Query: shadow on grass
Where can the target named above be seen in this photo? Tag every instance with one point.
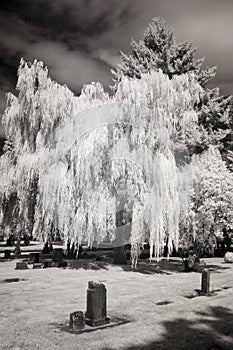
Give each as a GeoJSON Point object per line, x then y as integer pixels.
{"type": "Point", "coordinates": [209, 331]}
{"type": "Point", "coordinates": [144, 267]}
{"type": "Point", "coordinates": [88, 264]}
{"type": "Point", "coordinates": [217, 268]}
{"type": "Point", "coordinates": [165, 267]}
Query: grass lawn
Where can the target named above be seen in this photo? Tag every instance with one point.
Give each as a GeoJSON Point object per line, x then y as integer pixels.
{"type": "Point", "coordinates": [33, 310]}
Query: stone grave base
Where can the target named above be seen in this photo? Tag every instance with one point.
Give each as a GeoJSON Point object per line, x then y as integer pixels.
{"type": "Point", "coordinates": [115, 321]}
{"type": "Point", "coordinates": [97, 323]}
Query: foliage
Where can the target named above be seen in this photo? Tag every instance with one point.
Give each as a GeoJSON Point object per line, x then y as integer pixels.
{"type": "Point", "coordinates": [228, 258]}
{"type": "Point", "coordinates": [158, 49]}
{"type": "Point", "coordinates": [210, 206]}
{"type": "Point", "coordinates": [92, 156]}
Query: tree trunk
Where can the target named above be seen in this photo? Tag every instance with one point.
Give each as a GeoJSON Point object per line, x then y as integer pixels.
{"type": "Point", "coordinates": [120, 255]}
{"type": "Point", "coordinates": [119, 250]}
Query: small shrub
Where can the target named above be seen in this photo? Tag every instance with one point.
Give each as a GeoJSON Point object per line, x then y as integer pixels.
{"type": "Point", "coordinates": [228, 258]}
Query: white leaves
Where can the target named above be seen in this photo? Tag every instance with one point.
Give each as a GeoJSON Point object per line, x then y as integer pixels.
{"type": "Point", "coordinates": [96, 156]}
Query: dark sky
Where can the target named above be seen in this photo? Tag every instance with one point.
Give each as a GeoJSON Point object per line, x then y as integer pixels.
{"type": "Point", "coordinates": [79, 40]}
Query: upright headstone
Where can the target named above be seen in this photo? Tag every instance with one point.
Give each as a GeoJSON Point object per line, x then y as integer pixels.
{"type": "Point", "coordinates": [96, 314]}
{"type": "Point", "coordinates": [46, 249]}
{"type": "Point", "coordinates": [17, 249]}
{"type": "Point", "coordinates": [77, 320]}
{"type": "Point", "coordinates": [68, 248]}
{"type": "Point", "coordinates": [119, 254]}
{"type": "Point", "coordinates": [35, 257]}
{"type": "Point", "coordinates": [7, 254]}
{"type": "Point", "coordinates": [57, 254]}
{"type": "Point", "coordinates": [205, 281]}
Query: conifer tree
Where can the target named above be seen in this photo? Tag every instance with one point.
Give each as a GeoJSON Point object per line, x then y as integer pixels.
{"type": "Point", "coordinates": [158, 49]}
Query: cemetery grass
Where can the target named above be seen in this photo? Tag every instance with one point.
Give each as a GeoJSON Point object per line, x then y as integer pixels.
{"type": "Point", "coordinates": [162, 309]}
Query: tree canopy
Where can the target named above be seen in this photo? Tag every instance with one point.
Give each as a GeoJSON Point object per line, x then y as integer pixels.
{"type": "Point", "coordinates": [92, 156]}
{"type": "Point", "coordinates": [158, 49]}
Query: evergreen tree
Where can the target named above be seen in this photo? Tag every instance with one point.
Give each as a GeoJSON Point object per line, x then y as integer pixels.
{"type": "Point", "coordinates": [159, 49]}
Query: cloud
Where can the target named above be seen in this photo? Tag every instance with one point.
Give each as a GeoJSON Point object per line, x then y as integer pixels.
{"type": "Point", "coordinates": [80, 40]}
{"type": "Point", "coordinates": [73, 68]}
{"type": "Point", "coordinates": [108, 56]}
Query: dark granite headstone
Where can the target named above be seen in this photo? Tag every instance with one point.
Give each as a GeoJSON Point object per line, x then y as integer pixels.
{"type": "Point", "coordinates": [47, 263]}
{"type": "Point", "coordinates": [21, 266]}
{"type": "Point", "coordinates": [57, 254]}
{"type": "Point", "coordinates": [34, 257]}
{"type": "Point", "coordinates": [7, 254]}
{"type": "Point", "coordinates": [77, 320]}
{"type": "Point", "coordinates": [46, 249]}
{"type": "Point", "coordinates": [96, 314]}
{"type": "Point", "coordinates": [205, 281]}
{"type": "Point", "coordinates": [17, 249]}
{"type": "Point", "coordinates": [120, 257]}
{"type": "Point", "coordinates": [62, 263]}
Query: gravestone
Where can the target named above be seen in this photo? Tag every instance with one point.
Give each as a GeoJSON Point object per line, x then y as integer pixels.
{"type": "Point", "coordinates": [17, 249]}
{"type": "Point", "coordinates": [21, 266]}
{"type": "Point", "coordinates": [96, 314]}
{"type": "Point", "coordinates": [37, 265]}
{"type": "Point", "coordinates": [205, 281]}
{"type": "Point", "coordinates": [34, 257]}
{"type": "Point", "coordinates": [50, 246]}
{"type": "Point", "coordinates": [7, 254]}
{"type": "Point", "coordinates": [119, 254]}
{"type": "Point", "coordinates": [77, 320]}
{"type": "Point", "coordinates": [57, 254]}
{"type": "Point", "coordinates": [46, 249]}
{"type": "Point", "coordinates": [61, 263]}
{"type": "Point", "coordinates": [47, 263]}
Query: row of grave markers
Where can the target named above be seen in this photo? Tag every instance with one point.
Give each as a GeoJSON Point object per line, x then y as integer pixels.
{"type": "Point", "coordinates": [56, 260]}
{"type": "Point", "coordinates": [96, 314]}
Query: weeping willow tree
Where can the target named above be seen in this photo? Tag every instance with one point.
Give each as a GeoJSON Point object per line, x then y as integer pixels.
{"type": "Point", "coordinates": [104, 166]}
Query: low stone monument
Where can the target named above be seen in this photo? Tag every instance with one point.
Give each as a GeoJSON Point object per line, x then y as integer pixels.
{"type": "Point", "coordinates": [96, 314]}
{"type": "Point", "coordinates": [205, 282]}
{"type": "Point", "coordinates": [47, 263]}
{"type": "Point", "coordinates": [37, 265]}
{"type": "Point", "coordinates": [77, 320]}
{"type": "Point", "coordinates": [7, 254]}
{"type": "Point", "coordinates": [21, 265]}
